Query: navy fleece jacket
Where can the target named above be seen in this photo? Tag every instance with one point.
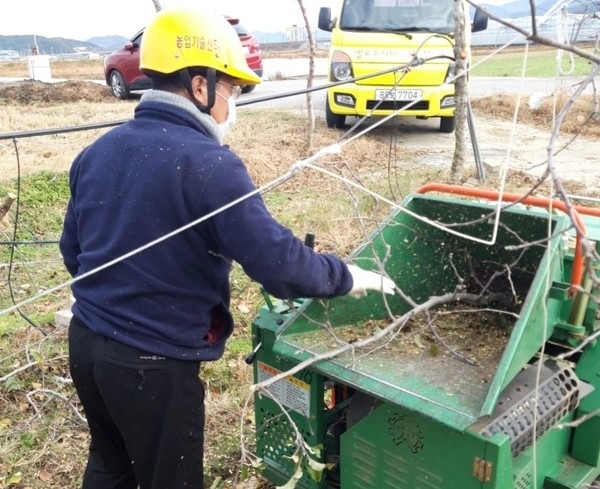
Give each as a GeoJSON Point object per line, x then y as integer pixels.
{"type": "Point", "coordinates": [148, 177]}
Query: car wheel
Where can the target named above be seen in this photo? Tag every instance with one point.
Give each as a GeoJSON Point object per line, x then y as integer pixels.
{"type": "Point", "coordinates": [447, 124]}
{"type": "Point", "coordinates": [334, 120]}
{"type": "Point", "coordinates": [248, 88]}
{"type": "Point", "coordinates": [118, 85]}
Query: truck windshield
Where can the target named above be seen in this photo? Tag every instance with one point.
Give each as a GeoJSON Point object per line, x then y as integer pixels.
{"type": "Point", "coordinates": [398, 15]}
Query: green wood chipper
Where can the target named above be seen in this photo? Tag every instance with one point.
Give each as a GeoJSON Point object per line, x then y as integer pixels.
{"type": "Point", "coordinates": [482, 372]}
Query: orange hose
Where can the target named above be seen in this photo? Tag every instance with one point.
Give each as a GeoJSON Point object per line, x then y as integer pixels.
{"type": "Point", "coordinates": [544, 202]}
{"type": "Point", "coordinates": [588, 211]}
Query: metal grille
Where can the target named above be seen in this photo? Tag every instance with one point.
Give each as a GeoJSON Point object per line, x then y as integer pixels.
{"type": "Point", "coordinates": [386, 470]}
{"type": "Point", "coordinates": [524, 412]}
{"type": "Point", "coordinates": [396, 105]}
{"type": "Point", "coordinates": [524, 481]}
{"type": "Point", "coordinates": [273, 435]}
{"type": "Point", "coordinates": [276, 443]}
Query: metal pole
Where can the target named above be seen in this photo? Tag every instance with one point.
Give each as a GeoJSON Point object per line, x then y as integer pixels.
{"type": "Point", "coordinates": [476, 153]}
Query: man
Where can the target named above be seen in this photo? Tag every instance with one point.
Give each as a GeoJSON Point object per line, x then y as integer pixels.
{"type": "Point", "coordinates": [142, 326]}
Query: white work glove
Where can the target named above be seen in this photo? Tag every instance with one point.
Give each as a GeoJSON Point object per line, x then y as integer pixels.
{"type": "Point", "coordinates": [365, 280]}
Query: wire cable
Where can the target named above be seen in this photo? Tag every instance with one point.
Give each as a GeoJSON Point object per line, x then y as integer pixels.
{"type": "Point", "coordinates": [13, 246]}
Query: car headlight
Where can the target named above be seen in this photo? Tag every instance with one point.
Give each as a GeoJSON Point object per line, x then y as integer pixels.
{"type": "Point", "coordinates": [341, 67]}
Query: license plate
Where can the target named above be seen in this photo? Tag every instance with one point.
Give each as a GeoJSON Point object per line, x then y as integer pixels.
{"type": "Point", "coordinates": [398, 94]}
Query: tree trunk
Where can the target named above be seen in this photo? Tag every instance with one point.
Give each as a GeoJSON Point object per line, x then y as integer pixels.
{"type": "Point", "coordinates": [461, 50]}
{"type": "Point", "coordinates": [309, 81]}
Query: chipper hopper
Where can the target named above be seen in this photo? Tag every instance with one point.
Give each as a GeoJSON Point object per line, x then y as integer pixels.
{"type": "Point", "coordinates": [481, 372]}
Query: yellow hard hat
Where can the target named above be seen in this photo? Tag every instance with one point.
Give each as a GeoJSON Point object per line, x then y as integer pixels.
{"type": "Point", "coordinates": [179, 38]}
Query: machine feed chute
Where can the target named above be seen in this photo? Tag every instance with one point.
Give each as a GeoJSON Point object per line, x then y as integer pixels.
{"type": "Point", "coordinates": [462, 370]}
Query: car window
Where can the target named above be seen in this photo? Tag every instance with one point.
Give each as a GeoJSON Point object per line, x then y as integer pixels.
{"type": "Point", "coordinates": [241, 30]}
{"type": "Point", "coordinates": [138, 39]}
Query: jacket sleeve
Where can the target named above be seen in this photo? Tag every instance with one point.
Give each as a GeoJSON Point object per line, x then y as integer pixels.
{"type": "Point", "coordinates": [69, 241]}
{"type": "Point", "coordinates": [268, 251]}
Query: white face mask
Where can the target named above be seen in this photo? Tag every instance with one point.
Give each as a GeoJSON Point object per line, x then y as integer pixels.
{"type": "Point", "coordinates": [229, 123]}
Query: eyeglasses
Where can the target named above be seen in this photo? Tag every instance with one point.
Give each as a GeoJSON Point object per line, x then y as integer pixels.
{"type": "Point", "coordinates": [236, 90]}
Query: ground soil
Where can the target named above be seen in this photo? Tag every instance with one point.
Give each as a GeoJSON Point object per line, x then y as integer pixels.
{"type": "Point", "coordinates": [501, 144]}
{"type": "Point", "coordinates": [29, 92]}
{"type": "Point", "coordinates": [533, 145]}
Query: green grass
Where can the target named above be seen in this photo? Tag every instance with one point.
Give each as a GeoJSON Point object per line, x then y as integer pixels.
{"type": "Point", "coordinates": [540, 64]}
{"type": "Point", "coordinates": [34, 265]}
{"type": "Point", "coordinates": [42, 201]}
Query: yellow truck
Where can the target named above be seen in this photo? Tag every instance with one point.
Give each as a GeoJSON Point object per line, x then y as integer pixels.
{"type": "Point", "coordinates": [392, 56]}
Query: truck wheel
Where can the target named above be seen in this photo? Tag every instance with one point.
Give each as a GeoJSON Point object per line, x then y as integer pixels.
{"type": "Point", "coordinates": [447, 124]}
{"type": "Point", "coordinates": [334, 120]}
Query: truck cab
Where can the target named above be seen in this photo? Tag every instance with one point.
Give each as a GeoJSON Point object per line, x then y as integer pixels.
{"type": "Point", "coordinates": [393, 56]}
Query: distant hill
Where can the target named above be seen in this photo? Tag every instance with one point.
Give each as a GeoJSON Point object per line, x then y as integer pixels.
{"type": "Point", "coordinates": [24, 44]}
{"type": "Point", "coordinates": [108, 43]}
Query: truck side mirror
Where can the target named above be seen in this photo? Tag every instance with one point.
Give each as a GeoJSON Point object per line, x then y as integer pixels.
{"type": "Point", "coordinates": [480, 21]}
{"type": "Point", "coordinates": [326, 23]}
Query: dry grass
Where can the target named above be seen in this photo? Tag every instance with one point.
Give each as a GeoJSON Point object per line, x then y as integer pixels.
{"type": "Point", "coordinates": [583, 118]}
{"type": "Point", "coordinates": [77, 70]}
{"type": "Point", "coordinates": [79, 102]}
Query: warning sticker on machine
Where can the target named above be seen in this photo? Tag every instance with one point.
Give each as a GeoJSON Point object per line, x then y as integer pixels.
{"type": "Point", "coordinates": [290, 392]}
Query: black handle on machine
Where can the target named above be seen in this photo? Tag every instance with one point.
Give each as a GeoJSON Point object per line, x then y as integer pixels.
{"type": "Point", "coordinates": [252, 355]}
{"type": "Point", "coordinates": [309, 240]}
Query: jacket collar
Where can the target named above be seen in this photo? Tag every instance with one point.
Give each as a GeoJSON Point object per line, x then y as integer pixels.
{"type": "Point", "coordinates": [183, 103]}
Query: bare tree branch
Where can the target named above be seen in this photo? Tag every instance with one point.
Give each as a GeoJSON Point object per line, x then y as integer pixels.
{"type": "Point", "coordinates": [53, 394]}
{"type": "Point", "coordinates": [533, 36]}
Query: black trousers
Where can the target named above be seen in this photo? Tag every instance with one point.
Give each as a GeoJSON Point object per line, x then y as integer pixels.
{"type": "Point", "coordinates": [145, 414]}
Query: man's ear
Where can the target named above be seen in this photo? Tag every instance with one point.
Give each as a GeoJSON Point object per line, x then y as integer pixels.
{"type": "Point", "coordinates": [200, 89]}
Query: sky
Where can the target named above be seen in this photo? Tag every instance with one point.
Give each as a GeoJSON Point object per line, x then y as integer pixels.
{"type": "Point", "coordinates": [84, 19]}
